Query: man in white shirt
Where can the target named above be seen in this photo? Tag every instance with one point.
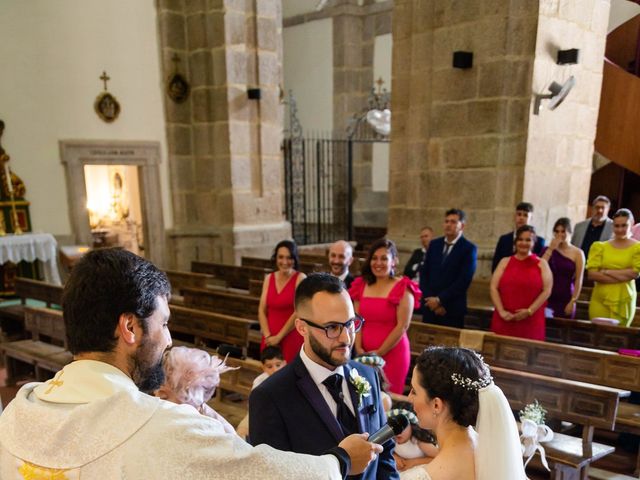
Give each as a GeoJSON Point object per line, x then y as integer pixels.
{"type": "Point", "coordinates": [92, 419]}
{"type": "Point", "coordinates": [340, 258]}
{"type": "Point", "coordinates": [319, 398]}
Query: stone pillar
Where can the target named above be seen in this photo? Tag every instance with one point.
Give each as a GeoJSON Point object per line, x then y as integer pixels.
{"type": "Point", "coordinates": [354, 30]}
{"type": "Point", "coordinates": [224, 149]}
{"type": "Point", "coordinates": [468, 138]}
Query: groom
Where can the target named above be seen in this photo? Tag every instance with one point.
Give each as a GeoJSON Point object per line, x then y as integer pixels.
{"type": "Point", "coordinates": [313, 403]}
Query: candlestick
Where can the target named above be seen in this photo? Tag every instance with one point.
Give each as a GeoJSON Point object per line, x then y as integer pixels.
{"type": "Point", "coordinates": [7, 174]}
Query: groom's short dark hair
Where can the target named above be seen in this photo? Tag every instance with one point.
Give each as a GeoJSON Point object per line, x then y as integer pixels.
{"type": "Point", "coordinates": [314, 283]}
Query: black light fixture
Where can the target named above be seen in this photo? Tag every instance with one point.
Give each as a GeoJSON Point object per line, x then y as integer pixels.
{"type": "Point", "coordinates": [254, 93]}
{"type": "Point", "coordinates": [462, 59]}
{"type": "Point", "coordinates": [568, 57]}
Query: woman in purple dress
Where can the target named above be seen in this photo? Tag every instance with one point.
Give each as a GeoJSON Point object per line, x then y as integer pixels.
{"type": "Point", "coordinates": [567, 266]}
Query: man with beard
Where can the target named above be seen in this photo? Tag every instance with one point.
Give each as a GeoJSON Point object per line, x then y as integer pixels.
{"type": "Point", "coordinates": [92, 421]}
{"type": "Point", "coordinates": [340, 258]}
{"type": "Point", "coordinates": [322, 396]}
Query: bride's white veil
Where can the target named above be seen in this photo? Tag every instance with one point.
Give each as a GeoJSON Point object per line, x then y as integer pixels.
{"type": "Point", "coordinates": [498, 453]}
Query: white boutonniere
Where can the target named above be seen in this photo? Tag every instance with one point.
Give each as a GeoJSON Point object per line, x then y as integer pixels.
{"type": "Point", "coordinates": [362, 385]}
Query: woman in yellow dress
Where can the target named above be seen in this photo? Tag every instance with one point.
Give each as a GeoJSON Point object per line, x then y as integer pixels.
{"type": "Point", "coordinates": [613, 266]}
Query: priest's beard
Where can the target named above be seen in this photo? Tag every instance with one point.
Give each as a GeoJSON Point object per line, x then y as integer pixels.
{"type": "Point", "coordinates": [147, 374]}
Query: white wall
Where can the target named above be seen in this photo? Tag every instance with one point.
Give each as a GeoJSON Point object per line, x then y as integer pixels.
{"type": "Point", "coordinates": [381, 69]}
{"type": "Point", "coordinates": [621, 11]}
{"type": "Point", "coordinates": [52, 55]}
{"type": "Point", "coordinates": [308, 72]}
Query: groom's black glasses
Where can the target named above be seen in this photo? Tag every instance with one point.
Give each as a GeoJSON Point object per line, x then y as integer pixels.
{"type": "Point", "coordinates": [334, 330]}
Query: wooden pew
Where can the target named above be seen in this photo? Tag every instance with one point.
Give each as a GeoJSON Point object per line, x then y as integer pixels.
{"type": "Point", "coordinates": [580, 333]}
{"type": "Point", "coordinates": [266, 263]}
{"type": "Point", "coordinates": [181, 280]}
{"type": "Point", "coordinates": [241, 380]}
{"type": "Point", "coordinates": [202, 328]}
{"type": "Point", "coordinates": [554, 374]}
{"type": "Point", "coordinates": [235, 304]}
{"type": "Point", "coordinates": [232, 275]}
{"type": "Point", "coordinates": [46, 350]}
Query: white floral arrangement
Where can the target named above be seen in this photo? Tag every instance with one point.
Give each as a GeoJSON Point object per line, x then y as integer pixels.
{"type": "Point", "coordinates": [533, 431]}
{"type": "Point", "coordinates": [361, 384]}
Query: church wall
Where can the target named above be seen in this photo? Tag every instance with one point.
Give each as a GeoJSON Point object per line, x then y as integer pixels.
{"type": "Point", "coordinates": [53, 54]}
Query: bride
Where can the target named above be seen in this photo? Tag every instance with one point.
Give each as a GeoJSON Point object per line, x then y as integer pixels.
{"type": "Point", "coordinates": [451, 390]}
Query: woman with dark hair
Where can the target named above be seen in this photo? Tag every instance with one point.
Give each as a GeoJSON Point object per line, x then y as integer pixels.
{"type": "Point", "coordinates": [520, 287]}
{"type": "Point", "coordinates": [613, 266]}
{"type": "Point", "coordinates": [386, 302]}
{"type": "Point", "coordinates": [451, 390]}
{"type": "Point", "coordinates": [567, 268]}
{"type": "Point", "coordinates": [276, 312]}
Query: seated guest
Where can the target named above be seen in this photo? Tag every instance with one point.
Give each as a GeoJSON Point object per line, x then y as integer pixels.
{"type": "Point", "coordinates": [598, 228]}
{"type": "Point", "coordinates": [275, 311]}
{"type": "Point", "coordinates": [520, 287]}
{"type": "Point", "coordinates": [386, 302]}
{"type": "Point", "coordinates": [340, 258]}
{"type": "Point", "coordinates": [191, 378]}
{"type": "Point", "coordinates": [613, 266]}
{"type": "Point", "coordinates": [447, 272]}
{"type": "Point", "coordinates": [567, 267]}
{"type": "Point", "coordinates": [322, 396]}
{"type": "Point", "coordinates": [506, 243]}
{"type": "Point", "coordinates": [272, 361]}
{"type": "Point", "coordinates": [412, 268]}
{"type": "Point", "coordinates": [93, 421]}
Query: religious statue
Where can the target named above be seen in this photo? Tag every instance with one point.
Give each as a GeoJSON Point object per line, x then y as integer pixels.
{"type": "Point", "coordinates": [16, 186]}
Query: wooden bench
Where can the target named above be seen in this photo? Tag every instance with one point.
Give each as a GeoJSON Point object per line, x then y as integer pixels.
{"type": "Point", "coordinates": [202, 328]}
{"type": "Point", "coordinates": [46, 350]}
{"type": "Point", "coordinates": [240, 381]}
{"type": "Point", "coordinates": [232, 275]}
{"type": "Point", "coordinates": [556, 375]}
{"type": "Point", "coordinates": [237, 305]}
{"type": "Point", "coordinates": [28, 289]}
{"type": "Point", "coordinates": [181, 280]}
{"type": "Point", "coordinates": [582, 333]}
{"type": "Point", "coordinates": [266, 263]}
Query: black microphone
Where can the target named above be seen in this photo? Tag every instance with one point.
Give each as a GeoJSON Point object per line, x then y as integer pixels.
{"type": "Point", "coordinates": [395, 425]}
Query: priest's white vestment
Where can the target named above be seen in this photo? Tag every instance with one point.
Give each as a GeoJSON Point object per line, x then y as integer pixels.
{"type": "Point", "coordinates": [91, 422]}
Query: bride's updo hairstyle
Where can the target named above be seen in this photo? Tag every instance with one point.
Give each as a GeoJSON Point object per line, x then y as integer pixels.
{"type": "Point", "coordinates": [454, 375]}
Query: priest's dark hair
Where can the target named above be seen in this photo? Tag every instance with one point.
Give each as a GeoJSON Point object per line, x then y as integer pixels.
{"type": "Point", "coordinates": [103, 285]}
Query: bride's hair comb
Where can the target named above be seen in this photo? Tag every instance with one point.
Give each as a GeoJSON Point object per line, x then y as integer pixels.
{"type": "Point", "coordinates": [484, 380]}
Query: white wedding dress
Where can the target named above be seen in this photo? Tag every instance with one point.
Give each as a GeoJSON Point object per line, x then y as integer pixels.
{"type": "Point", "coordinates": [498, 454]}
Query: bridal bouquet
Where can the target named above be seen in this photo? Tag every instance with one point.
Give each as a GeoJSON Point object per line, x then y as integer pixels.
{"type": "Point", "coordinates": [533, 431]}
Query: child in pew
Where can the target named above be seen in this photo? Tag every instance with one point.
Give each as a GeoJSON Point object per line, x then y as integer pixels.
{"type": "Point", "coordinates": [415, 445]}
{"type": "Point", "coordinates": [192, 376]}
{"type": "Point", "coordinates": [272, 360]}
{"type": "Point", "coordinates": [377, 363]}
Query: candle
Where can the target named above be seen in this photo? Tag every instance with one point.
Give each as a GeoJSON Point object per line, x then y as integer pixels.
{"type": "Point", "coordinates": [8, 175]}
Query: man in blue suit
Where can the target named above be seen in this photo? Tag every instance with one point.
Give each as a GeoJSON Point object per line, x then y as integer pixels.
{"type": "Point", "coordinates": [506, 243]}
{"type": "Point", "coordinates": [447, 272]}
{"type": "Point", "coordinates": [314, 402]}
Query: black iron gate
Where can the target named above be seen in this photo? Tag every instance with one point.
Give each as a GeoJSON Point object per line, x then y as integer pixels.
{"type": "Point", "coordinates": [318, 179]}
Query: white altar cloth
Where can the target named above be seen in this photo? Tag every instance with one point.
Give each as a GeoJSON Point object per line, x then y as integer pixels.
{"type": "Point", "coordinates": [30, 247]}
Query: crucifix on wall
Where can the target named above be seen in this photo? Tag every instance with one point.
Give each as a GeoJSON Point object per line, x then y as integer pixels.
{"type": "Point", "coordinates": [106, 105]}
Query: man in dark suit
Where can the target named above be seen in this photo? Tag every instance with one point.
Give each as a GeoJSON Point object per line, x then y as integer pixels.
{"type": "Point", "coordinates": [412, 268]}
{"type": "Point", "coordinates": [313, 403]}
{"type": "Point", "coordinates": [340, 258]}
{"type": "Point", "coordinates": [506, 243]}
{"type": "Point", "coordinates": [447, 272]}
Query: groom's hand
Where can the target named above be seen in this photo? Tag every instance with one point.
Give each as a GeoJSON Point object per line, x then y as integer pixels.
{"type": "Point", "coordinates": [360, 451]}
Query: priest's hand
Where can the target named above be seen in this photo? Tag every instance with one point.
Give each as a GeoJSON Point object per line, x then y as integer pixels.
{"type": "Point", "coordinates": [360, 451]}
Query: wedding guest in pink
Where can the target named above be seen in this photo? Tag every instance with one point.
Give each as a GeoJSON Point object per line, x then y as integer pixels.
{"type": "Point", "coordinates": [386, 302]}
{"type": "Point", "coordinates": [191, 377]}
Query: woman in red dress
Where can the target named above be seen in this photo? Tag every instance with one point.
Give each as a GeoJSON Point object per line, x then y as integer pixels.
{"type": "Point", "coordinates": [520, 287]}
{"type": "Point", "coordinates": [275, 312]}
{"type": "Point", "coordinates": [386, 302]}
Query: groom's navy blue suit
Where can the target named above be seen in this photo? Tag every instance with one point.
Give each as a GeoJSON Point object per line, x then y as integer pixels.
{"type": "Point", "coordinates": [288, 412]}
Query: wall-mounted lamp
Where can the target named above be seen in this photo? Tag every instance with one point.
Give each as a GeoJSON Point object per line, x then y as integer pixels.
{"type": "Point", "coordinates": [462, 59]}
{"type": "Point", "coordinates": [556, 97]}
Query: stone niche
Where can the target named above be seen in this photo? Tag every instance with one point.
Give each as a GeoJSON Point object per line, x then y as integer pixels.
{"type": "Point", "coordinates": [145, 156]}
